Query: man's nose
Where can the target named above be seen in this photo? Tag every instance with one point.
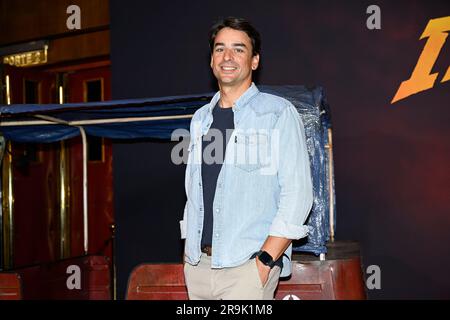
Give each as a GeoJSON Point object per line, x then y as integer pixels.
{"type": "Point", "coordinates": [228, 55]}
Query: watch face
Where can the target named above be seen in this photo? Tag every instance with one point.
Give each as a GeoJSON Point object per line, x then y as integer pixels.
{"type": "Point", "coordinates": [265, 258]}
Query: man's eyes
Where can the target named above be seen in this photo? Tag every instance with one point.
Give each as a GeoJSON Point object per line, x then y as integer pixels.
{"type": "Point", "coordinates": [239, 50]}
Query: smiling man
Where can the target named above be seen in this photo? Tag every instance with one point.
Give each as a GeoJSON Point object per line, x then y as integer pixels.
{"type": "Point", "coordinates": [243, 211]}
{"type": "Point", "coordinates": [232, 60]}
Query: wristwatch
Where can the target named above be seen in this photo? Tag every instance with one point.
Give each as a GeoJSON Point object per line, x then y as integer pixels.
{"type": "Point", "coordinates": [265, 258]}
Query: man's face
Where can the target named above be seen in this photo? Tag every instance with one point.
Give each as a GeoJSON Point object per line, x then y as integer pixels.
{"type": "Point", "coordinates": [231, 60]}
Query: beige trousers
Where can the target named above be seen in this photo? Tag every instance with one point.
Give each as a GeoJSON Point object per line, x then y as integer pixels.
{"type": "Point", "coordinates": [237, 283]}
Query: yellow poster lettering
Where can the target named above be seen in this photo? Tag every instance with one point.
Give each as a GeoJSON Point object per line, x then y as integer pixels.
{"type": "Point", "coordinates": [421, 78]}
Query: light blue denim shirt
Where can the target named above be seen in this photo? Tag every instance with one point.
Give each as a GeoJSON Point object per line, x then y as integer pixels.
{"type": "Point", "coordinates": [263, 188]}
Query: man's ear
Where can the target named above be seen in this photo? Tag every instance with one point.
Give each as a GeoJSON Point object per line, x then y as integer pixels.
{"type": "Point", "coordinates": [211, 63]}
{"type": "Point", "coordinates": [255, 62]}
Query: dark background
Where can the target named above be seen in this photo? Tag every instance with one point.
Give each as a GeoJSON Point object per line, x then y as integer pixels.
{"type": "Point", "coordinates": [391, 161]}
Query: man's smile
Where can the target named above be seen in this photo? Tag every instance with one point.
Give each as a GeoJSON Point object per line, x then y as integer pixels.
{"type": "Point", "coordinates": [228, 69]}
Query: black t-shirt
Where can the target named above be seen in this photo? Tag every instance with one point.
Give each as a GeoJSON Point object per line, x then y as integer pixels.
{"type": "Point", "coordinates": [223, 119]}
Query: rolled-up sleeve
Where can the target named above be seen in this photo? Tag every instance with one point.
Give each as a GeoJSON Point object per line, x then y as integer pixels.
{"type": "Point", "coordinates": [294, 178]}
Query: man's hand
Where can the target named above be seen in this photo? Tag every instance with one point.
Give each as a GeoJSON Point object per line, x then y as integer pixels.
{"type": "Point", "coordinates": [263, 271]}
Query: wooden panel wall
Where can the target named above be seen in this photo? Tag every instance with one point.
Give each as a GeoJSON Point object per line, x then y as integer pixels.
{"type": "Point", "coordinates": [24, 20]}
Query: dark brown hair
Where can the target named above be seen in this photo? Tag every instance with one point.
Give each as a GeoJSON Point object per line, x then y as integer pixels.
{"type": "Point", "coordinates": [236, 24]}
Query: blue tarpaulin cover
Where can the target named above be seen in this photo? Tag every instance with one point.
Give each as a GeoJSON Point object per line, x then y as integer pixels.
{"type": "Point", "coordinates": [310, 103]}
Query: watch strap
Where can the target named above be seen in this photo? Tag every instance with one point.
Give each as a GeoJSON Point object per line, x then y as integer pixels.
{"type": "Point", "coordinates": [269, 263]}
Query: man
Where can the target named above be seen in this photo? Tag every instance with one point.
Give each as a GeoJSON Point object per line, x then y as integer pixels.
{"type": "Point", "coordinates": [241, 215]}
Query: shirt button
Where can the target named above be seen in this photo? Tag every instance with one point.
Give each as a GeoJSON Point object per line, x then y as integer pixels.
{"type": "Point", "coordinates": [217, 210]}
{"type": "Point", "coordinates": [199, 231]}
{"type": "Point", "coordinates": [217, 235]}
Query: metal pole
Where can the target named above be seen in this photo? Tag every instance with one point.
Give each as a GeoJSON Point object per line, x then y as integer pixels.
{"type": "Point", "coordinates": [64, 237]}
{"type": "Point", "coordinates": [330, 181]}
{"type": "Point", "coordinates": [85, 192]}
{"type": "Point", "coordinates": [64, 203]}
{"type": "Point", "coordinates": [53, 120]}
{"type": "Point", "coordinates": [7, 196]}
{"type": "Point", "coordinates": [88, 122]}
{"type": "Point", "coordinates": [8, 205]}
{"type": "Point", "coordinates": [8, 90]}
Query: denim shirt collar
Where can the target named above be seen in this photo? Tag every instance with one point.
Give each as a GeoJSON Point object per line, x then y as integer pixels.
{"type": "Point", "coordinates": [241, 102]}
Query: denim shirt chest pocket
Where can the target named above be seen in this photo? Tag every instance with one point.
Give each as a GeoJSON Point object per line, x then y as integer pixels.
{"type": "Point", "coordinates": [251, 150]}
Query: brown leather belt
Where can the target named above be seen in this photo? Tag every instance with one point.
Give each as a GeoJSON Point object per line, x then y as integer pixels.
{"type": "Point", "coordinates": [207, 250]}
